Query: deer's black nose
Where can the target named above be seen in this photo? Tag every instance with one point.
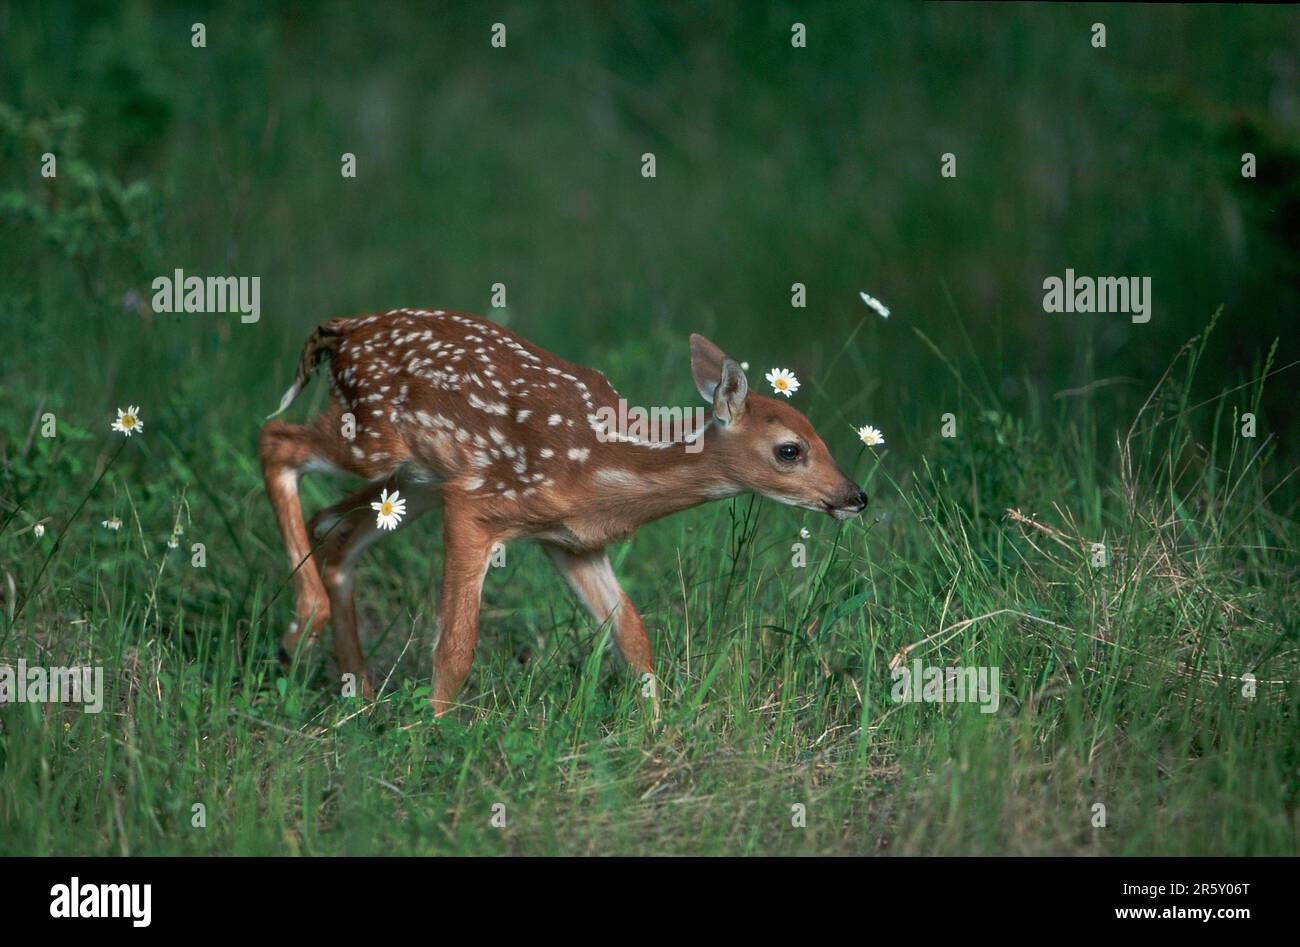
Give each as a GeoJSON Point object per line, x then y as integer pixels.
{"type": "Point", "coordinates": [853, 500]}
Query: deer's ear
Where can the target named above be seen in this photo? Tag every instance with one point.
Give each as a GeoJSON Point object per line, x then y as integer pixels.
{"type": "Point", "coordinates": [729, 397]}
{"type": "Point", "coordinates": [706, 365]}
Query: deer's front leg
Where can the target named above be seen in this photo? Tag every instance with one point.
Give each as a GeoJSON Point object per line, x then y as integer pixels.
{"type": "Point", "coordinates": [467, 545]}
{"type": "Point", "coordinates": [592, 579]}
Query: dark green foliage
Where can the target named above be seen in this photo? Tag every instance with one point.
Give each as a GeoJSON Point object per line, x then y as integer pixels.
{"type": "Point", "coordinates": [1120, 685]}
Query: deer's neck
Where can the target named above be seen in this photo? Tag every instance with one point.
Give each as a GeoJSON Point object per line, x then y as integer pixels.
{"type": "Point", "coordinates": [636, 484]}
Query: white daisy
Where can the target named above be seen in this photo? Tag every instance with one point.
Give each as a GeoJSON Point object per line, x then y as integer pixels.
{"type": "Point", "coordinates": [128, 421]}
{"type": "Point", "coordinates": [804, 534]}
{"type": "Point", "coordinates": [114, 524]}
{"type": "Point", "coordinates": [782, 381]}
{"type": "Point", "coordinates": [391, 508]}
{"type": "Point", "coordinates": [870, 436]}
{"type": "Point", "coordinates": [39, 530]}
{"type": "Point", "coordinates": [875, 304]}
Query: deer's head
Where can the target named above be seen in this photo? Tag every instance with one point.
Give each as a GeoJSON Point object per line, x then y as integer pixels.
{"type": "Point", "coordinates": [764, 445]}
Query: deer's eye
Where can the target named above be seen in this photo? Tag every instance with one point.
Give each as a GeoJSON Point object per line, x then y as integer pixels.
{"type": "Point", "coordinates": [787, 452]}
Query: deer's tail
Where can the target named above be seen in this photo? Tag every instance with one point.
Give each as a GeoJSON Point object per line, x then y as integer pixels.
{"type": "Point", "coordinates": [319, 345]}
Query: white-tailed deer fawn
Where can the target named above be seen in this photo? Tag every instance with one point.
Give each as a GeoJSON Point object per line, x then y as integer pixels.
{"type": "Point", "coordinates": [442, 405]}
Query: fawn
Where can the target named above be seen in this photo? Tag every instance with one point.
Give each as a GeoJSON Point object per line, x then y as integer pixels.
{"type": "Point", "coordinates": [449, 406]}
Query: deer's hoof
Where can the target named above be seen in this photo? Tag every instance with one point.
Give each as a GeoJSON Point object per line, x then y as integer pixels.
{"type": "Point", "coordinates": [294, 642]}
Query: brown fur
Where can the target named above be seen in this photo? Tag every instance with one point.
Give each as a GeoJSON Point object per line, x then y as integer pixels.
{"type": "Point", "coordinates": [454, 409]}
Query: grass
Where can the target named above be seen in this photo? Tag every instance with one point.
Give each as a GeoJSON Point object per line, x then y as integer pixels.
{"type": "Point", "coordinates": [1121, 684]}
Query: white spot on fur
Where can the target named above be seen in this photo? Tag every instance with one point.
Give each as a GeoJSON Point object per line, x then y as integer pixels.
{"type": "Point", "coordinates": [491, 407]}
{"type": "Point", "coordinates": [617, 477]}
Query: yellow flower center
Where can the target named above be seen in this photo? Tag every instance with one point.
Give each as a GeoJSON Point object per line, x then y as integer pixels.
{"type": "Point", "coordinates": [782, 384]}
{"type": "Point", "coordinates": [128, 421]}
{"type": "Point", "coordinates": [386, 510]}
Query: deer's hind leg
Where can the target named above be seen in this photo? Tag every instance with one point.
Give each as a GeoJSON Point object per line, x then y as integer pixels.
{"type": "Point", "coordinates": [344, 531]}
{"type": "Point", "coordinates": [286, 451]}
{"type": "Point", "coordinates": [467, 545]}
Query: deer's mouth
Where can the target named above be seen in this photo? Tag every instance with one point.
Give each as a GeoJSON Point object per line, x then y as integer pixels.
{"type": "Point", "coordinates": [846, 511]}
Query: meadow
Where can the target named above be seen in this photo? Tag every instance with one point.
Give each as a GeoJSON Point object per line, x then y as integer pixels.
{"type": "Point", "coordinates": [1074, 499]}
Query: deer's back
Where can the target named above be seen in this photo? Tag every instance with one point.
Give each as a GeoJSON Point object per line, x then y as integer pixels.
{"type": "Point", "coordinates": [461, 399]}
